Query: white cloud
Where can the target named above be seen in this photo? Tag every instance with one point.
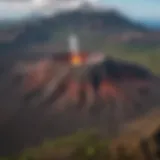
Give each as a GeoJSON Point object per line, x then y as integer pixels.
{"type": "Point", "coordinates": [17, 8]}
{"type": "Point", "coordinates": [38, 4]}
{"type": "Point", "coordinates": [132, 8]}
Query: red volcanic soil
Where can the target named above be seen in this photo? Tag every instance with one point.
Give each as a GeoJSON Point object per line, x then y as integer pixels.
{"type": "Point", "coordinates": [38, 75]}
{"type": "Point", "coordinates": [106, 79]}
{"type": "Point", "coordinates": [65, 57]}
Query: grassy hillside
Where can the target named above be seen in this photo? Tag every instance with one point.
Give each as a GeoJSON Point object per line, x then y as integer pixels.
{"type": "Point", "coordinates": [147, 56]}
{"type": "Point", "coordinates": [90, 145]}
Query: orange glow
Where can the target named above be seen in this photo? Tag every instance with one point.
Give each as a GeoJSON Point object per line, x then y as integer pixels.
{"type": "Point", "coordinates": [76, 60]}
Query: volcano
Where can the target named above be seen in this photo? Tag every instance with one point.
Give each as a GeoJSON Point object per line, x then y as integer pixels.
{"type": "Point", "coordinates": [103, 79]}
{"type": "Point", "coordinates": [56, 98]}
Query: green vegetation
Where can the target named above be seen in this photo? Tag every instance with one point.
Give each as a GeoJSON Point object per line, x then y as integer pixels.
{"type": "Point", "coordinates": [147, 56]}
{"type": "Point", "coordinates": [79, 146]}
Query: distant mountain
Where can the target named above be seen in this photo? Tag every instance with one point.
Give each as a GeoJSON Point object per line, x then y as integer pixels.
{"type": "Point", "coordinates": [152, 24]}
{"type": "Point", "coordinates": [106, 21]}
{"type": "Point", "coordinates": [92, 26]}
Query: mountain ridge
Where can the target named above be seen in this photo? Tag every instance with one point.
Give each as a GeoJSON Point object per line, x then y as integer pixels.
{"type": "Point", "coordinates": [86, 24]}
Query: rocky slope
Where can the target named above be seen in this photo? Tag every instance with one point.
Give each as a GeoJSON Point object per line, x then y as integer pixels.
{"type": "Point", "coordinates": [53, 99]}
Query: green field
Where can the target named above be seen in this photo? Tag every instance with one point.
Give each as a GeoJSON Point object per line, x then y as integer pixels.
{"type": "Point", "coordinates": [146, 56]}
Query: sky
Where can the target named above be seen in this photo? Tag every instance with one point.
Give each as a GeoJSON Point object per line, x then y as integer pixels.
{"type": "Point", "coordinates": [136, 9]}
